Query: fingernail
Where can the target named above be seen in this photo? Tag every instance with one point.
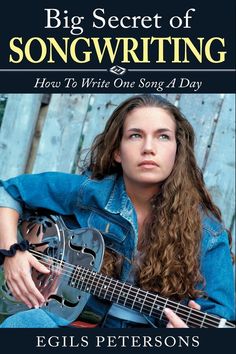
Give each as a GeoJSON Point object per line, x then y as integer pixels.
{"type": "Point", "coordinates": [169, 325]}
{"type": "Point", "coordinates": [167, 311]}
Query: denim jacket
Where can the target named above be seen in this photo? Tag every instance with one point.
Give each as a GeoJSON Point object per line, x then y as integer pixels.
{"type": "Point", "coordinates": [105, 205]}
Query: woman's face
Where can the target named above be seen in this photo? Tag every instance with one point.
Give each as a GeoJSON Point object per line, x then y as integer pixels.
{"type": "Point", "coordinates": [148, 146]}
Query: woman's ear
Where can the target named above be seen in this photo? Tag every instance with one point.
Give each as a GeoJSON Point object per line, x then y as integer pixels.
{"type": "Point", "coordinates": [117, 157]}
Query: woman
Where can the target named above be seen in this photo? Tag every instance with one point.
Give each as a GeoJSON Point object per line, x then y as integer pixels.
{"type": "Point", "coordinates": [143, 190]}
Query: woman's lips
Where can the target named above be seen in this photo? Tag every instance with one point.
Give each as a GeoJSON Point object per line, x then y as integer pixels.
{"type": "Point", "coordinates": [148, 164]}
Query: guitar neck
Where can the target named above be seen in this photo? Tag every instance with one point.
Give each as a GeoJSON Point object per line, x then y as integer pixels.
{"type": "Point", "coordinates": [140, 300]}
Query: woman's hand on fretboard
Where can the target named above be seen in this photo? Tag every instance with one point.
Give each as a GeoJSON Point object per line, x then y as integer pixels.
{"type": "Point", "coordinates": [174, 320]}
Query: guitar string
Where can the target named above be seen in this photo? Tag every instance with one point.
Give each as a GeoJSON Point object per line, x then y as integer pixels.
{"type": "Point", "coordinates": [84, 269]}
{"type": "Point", "coordinates": [155, 311]}
{"type": "Point", "coordinates": [211, 320]}
{"type": "Point", "coordinates": [183, 306]}
{"type": "Point", "coordinates": [179, 306]}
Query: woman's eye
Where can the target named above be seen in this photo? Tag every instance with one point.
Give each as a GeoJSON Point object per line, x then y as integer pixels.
{"type": "Point", "coordinates": [164, 137]}
{"type": "Point", "coordinates": [135, 136]}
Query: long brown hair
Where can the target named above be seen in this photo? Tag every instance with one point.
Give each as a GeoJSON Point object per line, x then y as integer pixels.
{"type": "Point", "coordinates": [171, 238]}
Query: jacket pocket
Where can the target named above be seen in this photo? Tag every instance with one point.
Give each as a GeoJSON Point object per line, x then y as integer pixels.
{"type": "Point", "coordinates": [110, 229]}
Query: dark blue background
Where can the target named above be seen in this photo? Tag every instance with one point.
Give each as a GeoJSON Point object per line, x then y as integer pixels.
{"type": "Point", "coordinates": [211, 341]}
{"type": "Point", "coordinates": [211, 19]}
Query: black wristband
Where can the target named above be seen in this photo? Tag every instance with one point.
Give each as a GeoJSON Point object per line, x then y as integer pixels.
{"type": "Point", "coordinates": [22, 246]}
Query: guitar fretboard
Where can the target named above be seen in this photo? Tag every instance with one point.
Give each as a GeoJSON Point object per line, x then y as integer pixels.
{"type": "Point", "coordinates": [145, 302]}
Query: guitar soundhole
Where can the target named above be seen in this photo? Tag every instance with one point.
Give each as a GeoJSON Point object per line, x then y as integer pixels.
{"type": "Point", "coordinates": [82, 249]}
{"type": "Point", "coordinates": [63, 301]}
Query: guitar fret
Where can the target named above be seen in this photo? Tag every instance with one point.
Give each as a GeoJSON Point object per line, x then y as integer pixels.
{"type": "Point", "coordinates": [120, 293]}
{"type": "Point", "coordinates": [153, 306]}
{"type": "Point", "coordinates": [135, 299]}
{"type": "Point", "coordinates": [138, 301]}
{"type": "Point", "coordinates": [83, 287]}
{"type": "Point", "coordinates": [83, 279]}
{"type": "Point", "coordinates": [94, 282]}
{"type": "Point", "coordinates": [102, 286]}
{"type": "Point", "coordinates": [93, 274]}
{"type": "Point", "coordinates": [80, 278]}
{"type": "Point", "coordinates": [177, 308]}
{"type": "Point", "coordinates": [114, 288]}
{"type": "Point", "coordinates": [98, 280]}
{"type": "Point", "coordinates": [189, 314]}
{"type": "Point", "coordinates": [203, 320]}
{"type": "Point", "coordinates": [162, 311]}
{"type": "Point", "coordinates": [73, 278]}
{"type": "Point", "coordinates": [77, 271]}
{"type": "Point", "coordinates": [130, 287]}
{"type": "Point", "coordinates": [107, 288]}
{"type": "Point", "coordinates": [141, 309]}
{"type": "Point", "coordinates": [89, 273]}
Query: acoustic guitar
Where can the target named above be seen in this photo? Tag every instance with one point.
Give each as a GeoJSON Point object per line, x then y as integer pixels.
{"type": "Point", "coordinates": [74, 286]}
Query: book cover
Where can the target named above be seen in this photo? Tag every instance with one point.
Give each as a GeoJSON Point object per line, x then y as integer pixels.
{"type": "Point", "coordinates": [65, 66]}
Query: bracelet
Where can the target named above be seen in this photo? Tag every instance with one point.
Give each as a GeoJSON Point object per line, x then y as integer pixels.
{"type": "Point", "coordinates": [22, 246]}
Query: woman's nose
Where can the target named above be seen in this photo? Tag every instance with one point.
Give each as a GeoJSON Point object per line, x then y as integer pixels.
{"type": "Point", "coordinates": [149, 146]}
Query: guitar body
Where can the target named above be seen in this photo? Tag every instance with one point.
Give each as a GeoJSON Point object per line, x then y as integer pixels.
{"type": "Point", "coordinates": [61, 249]}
